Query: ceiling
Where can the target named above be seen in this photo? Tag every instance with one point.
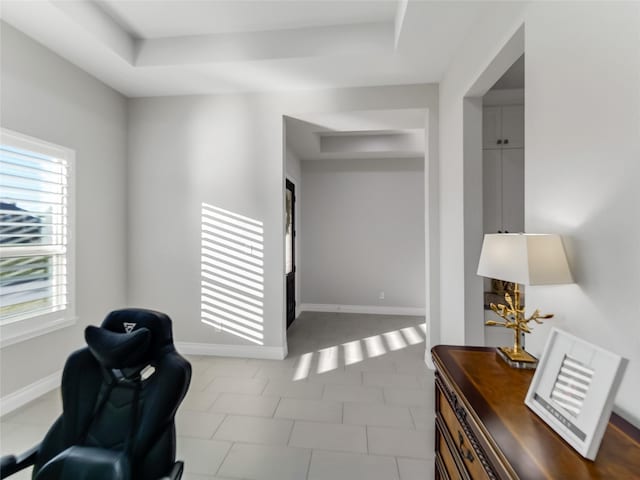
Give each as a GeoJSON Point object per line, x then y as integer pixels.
{"type": "Point", "coordinates": [181, 18]}
{"type": "Point", "coordinates": [364, 134]}
{"type": "Point", "coordinates": [179, 47]}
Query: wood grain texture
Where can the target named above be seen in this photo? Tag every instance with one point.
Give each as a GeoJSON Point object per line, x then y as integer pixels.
{"type": "Point", "coordinates": [515, 438]}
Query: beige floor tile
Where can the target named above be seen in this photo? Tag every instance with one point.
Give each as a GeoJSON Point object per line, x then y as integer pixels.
{"type": "Point", "coordinates": [338, 465]}
{"type": "Point", "coordinates": [427, 381]}
{"type": "Point", "coordinates": [353, 393]}
{"type": "Point", "coordinates": [190, 423]}
{"type": "Point", "coordinates": [266, 462]}
{"type": "Point", "coordinates": [202, 456]}
{"type": "Point", "coordinates": [375, 414]}
{"type": "Point", "coordinates": [289, 362]}
{"type": "Point", "coordinates": [199, 401]}
{"type": "Point", "coordinates": [232, 367]}
{"type": "Point", "coordinates": [21, 438]}
{"type": "Point", "coordinates": [291, 389]}
{"type": "Point", "coordinates": [313, 410]}
{"type": "Point", "coordinates": [407, 397]}
{"type": "Point", "coordinates": [195, 476]}
{"type": "Point", "coordinates": [413, 365]}
{"type": "Point", "coordinates": [336, 377]}
{"type": "Point", "coordinates": [393, 380]}
{"type": "Point", "coordinates": [255, 430]}
{"type": "Point", "coordinates": [383, 364]}
{"type": "Point", "coordinates": [423, 418]}
{"type": "Point", "coordinates": [239, 404]}
{"type": "Point", "coordinates": [329, 436]}
{"type": "Point", "coordinates": [277, 372]}
{"type": "Point", "coordinates": [253, 386]}
{"type": "Point", "coordinates": [399, 442]}
{"type": "Point", "coordinates": [44, 410]}
{"type": "Point", "coordinates": [412, 469]}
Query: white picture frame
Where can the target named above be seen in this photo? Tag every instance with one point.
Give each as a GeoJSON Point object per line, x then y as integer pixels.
{"type": "Point", "coordinates": [573, 390]}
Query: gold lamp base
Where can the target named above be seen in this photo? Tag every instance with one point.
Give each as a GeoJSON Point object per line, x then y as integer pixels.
{"type": "Point", "coordinates": [512, 316]}
{"type": "Point", "coordinates": [517, 358]}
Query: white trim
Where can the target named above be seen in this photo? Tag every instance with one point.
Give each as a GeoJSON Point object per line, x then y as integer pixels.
{"type": "Point", "coordinates": [428, 360]}
{"type": "Point", "coordinates": [26, 142]}
{"type": "Point", "coordinates": [368, 309]}
{"type": "Point", "coordinates": [17, 332]}
{"type": "Point", "coordinates": [243, 351]}
{"type": "Point", "coordinates": [21, 397]}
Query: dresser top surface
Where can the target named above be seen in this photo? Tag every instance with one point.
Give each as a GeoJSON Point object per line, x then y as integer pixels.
{"type": "Point", "coordinates": [494, 394]}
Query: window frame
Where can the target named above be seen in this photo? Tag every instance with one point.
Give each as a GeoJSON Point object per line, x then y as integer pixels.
{"type": "Point", "coordinates": [33, 324]}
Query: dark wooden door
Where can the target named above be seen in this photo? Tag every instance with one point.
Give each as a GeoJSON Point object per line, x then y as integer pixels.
{"type": "Point", "coordinates": [290, 251]}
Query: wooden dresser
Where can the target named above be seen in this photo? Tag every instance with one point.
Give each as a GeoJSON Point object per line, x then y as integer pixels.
{"type": "Point", "coordinates": [485, 431]}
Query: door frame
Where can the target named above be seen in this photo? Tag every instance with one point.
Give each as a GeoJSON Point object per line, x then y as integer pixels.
{"type": "Point", "coordinates": [290, 185]}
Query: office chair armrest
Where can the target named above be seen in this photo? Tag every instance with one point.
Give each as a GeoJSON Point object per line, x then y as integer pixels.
{"type": "Point", "coordinates": [10, 464]}
{"type": "Point", "coordinates": [176, 471]}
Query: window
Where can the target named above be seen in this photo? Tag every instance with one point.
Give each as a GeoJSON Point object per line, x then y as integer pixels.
{"type": "Point", "coordinates": [36, 254]}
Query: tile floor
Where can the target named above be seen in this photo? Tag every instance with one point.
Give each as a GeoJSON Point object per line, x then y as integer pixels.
{"type": "Point", "coordinates": [353, 400]}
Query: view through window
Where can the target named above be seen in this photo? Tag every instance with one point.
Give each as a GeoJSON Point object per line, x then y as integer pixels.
{"type": "Point", "coordinates": [34, 223]}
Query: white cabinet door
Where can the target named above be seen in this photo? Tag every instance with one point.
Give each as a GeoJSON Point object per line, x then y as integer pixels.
{"type": "Point", "coordinates": [513, 190]}
{"type": "Point", "coordinates": [491, 129]}
{"type": "Point", "coordinates": [512, 134]}
{"type": "Point", "coordinates": [492, 190]}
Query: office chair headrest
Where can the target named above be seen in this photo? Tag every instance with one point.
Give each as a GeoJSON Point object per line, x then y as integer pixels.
{"type": "Point", "coordinates": [120, 332]}
{"type": "Point", "coordinates": [118, 350]}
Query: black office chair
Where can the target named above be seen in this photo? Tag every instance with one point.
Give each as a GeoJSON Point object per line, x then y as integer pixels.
{"type": "Point", "coordinates": [119, 397]}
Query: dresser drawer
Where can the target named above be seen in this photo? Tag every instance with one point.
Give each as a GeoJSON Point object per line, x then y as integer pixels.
{"type": "Point", "coordinates": [446, 466]}
{"type": "Point", "coordinates": [462, 443]}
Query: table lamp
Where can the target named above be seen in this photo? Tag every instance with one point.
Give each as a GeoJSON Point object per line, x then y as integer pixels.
{"type": "Point", "coordinates": [528, 259]}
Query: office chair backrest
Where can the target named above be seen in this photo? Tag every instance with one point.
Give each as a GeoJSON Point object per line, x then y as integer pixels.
{"type": "Point", "coordinates": [120, 396]}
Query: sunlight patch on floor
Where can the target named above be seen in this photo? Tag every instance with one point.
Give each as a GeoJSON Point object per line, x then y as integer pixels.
{"type": "Point", "coordinates": [356, 351]}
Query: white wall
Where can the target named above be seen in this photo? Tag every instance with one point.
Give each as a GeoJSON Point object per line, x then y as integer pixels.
{"type": "Point", "coordinates": [582, 128]}
{"type": "Point", "coordinates": [46, 97]}
{"type": "Point", "coordinates": [226, 151]}
{"type": "Point", "coordinates": [364, 232]}
{"type": "Point", "coordinates": [583, 133]}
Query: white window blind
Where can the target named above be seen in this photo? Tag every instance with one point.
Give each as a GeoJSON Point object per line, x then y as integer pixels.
{"type": "Point", "coordinates": [34, 228]}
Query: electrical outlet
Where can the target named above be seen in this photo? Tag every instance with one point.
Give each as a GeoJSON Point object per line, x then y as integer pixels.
{"type": "Point", "coordinates": [381, 296]}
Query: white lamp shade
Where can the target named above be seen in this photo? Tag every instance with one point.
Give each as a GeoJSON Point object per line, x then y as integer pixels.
{"type": "Point", "coordinates": [528, 259]}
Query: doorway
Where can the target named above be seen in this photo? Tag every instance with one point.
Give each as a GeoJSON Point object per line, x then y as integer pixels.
{"type": "Point", "coordinates": [503, 166]}
{"type": "Point", "coordinates": [290, 250]}
{"type": "Point", "coordinates": [473, 151]}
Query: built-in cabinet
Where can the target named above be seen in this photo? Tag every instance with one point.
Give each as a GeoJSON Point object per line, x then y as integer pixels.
{"type": "Point", "coordinates": [503, 168]}
{"type": "Point", "coordinates": [503, 126]}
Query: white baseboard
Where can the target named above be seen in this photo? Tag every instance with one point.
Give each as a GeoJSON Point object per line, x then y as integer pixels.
{"type": "Point", "coordinates": [428, 360]}
{"type": "Point", "coordinates": [244, 351]}
{"type": "Point", "coordinates": [17, 399]}
{"type": "Point", "coordinates": [368, 309]}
